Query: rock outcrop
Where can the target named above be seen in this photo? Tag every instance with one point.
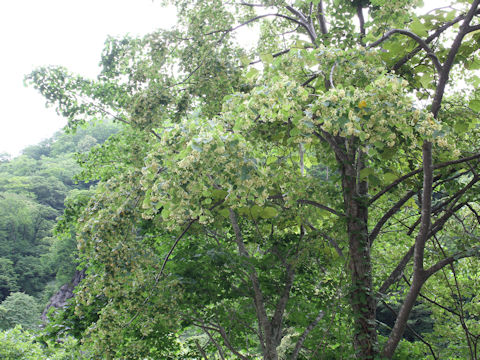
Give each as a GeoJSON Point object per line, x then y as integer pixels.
{"type": "Point", "coordinates": [59, 299]}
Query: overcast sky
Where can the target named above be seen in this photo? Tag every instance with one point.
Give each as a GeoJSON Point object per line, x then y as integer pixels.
{"type": "Point", "coordinates": [70, 33]}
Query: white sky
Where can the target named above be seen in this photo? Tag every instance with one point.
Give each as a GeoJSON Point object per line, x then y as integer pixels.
{"type": "Point", "coordinates": [70, 33]}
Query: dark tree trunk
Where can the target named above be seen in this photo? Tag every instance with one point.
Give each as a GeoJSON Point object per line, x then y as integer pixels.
{"type": "Point", "coordinates": [362, 299]}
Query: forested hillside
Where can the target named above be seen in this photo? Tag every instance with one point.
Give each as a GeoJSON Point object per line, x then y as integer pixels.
{"type": "Point", "coordinates": [314, 195]}
{"type": "Point", "coordinates": [34, 262]}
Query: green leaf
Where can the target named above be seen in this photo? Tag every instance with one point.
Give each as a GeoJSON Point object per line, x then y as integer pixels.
{"type": "Point", "coordinates": [252, 72]}
{"type": "Point", "coordinates": [461, 127]}
{"type": "Point", "coordinates": [365, 173]}
{"type": "Point", "coordinates": [224, 213]}
{"type": "Point", "coordinates": [474, 105]}
{"type": "Point", "coordinates": [269, 212]}
{"type": "Point", "coordinates": [266, 58]}
{"type": "Point", "coordinates": [418, 28]}
{"type": "Point", "coordinates": [389, 177]}
{"type": "Point", "coordinates": [450, 15]}
{"type": "Point", "coordinates": [219, 194]}
{"type": "Point", "coordinates": [426, 80]}
{"type": "Point", "coordinates": [245, 61]}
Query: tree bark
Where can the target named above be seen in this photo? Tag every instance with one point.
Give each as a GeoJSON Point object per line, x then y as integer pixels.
{"type": "Point", "coordinates": [419, 274]}
{"type": "Point", "coordinates": [362, 299]}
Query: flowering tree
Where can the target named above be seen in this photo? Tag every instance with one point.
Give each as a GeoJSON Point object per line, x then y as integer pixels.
{"type": "Point", "coordinates": [244, 179]}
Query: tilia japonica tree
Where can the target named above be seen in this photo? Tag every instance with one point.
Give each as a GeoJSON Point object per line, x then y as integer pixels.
{"type": "Point", "coordinates": [245, 180]}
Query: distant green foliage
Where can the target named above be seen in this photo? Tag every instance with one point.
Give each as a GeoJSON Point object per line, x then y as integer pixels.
{"type": "Point", "coordinates": [19, 344]}
{"type": "Point", "coordinates": [33, 188]}
{"type": "Point", "coordinates": [19, 309]}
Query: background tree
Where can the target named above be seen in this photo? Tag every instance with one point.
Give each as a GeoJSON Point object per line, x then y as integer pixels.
{"type": "Point", "coordinates": [33, 188]}
{"type": "Point", "coordinates": [19, 309]}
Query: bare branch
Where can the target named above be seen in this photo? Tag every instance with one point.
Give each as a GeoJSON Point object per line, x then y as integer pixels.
{"type": "Point", "coordinates": [414, 332]}
{"type": "Point", "coordinates": [361, 19]}
{"type": "Point", "coordinates": [320, 206]}
{"type": "Point", "coordinates": [418, 171]}
{"type": "Point", "coordinates": [475, 251]}
{"type": "Point", "coordinates": [321, 18]}
{"type": "Point", "coordinates": [305, 333]}
{"type": "Point", "coordinates": [393, 210]}
{"type": "Point", "coordinates": [432, 301]}
{"type": "Point", "coordinates": [397, 273]}
{"type": "Point", "coordinates": [304, 21]}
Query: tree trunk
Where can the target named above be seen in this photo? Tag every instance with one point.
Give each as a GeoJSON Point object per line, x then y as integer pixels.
{"type": "Point", "coordinates": [362, 299]}
{"type": "Point", "coordinates": [402, 318]}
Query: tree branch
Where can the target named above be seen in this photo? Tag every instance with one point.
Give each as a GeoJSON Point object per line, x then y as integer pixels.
{"type": "Point", "coordinates": [393, 210]}
{"type": "Point", "coordinates": [428, 40]}
{"type": "Point", "coordinates": [454, 198]}
{"type": "Point", "coordinates": [224, 335]}
{"type": "Point", "coordinates": [305, 22]}
{"type": "Point", "coordinates": [305, 333]}
{"type": "Point", "coordinates": [430, 300]}
{"type": "Point", "coordinates": [361, 19]}
{"type": "Point", "coordinates": [321, 18]}
{"type": "Point", "coordinates": [414, 332]}
{"type": "Point", "coordinates": [329, 238]}
{"type": "Point", "coordinates": [212, 339]}
{"type": "Point", "coordinates": [200, 350]}
{"type": "Point", "coordinates": [418, 171]}
{"type": "Point", "coordinates": [415, 37]}
{"type": "Point", "coordinates": [320, 206]}
{"type": "Point", "coordinates": [474, 213]}
{"type": "Point", "coordinates": [447, 66]}
{"type": "Point", "coordinates": [475, 251]}
{"type": "Point", "coordinates": [438, 225]}
{"type": "Point", "coordinates": [277, 319]}
{"type": "Point", "coordinates": [175, 243]}
{"type": "Point", "coordinates": [273, 55]}
{"type": "Point", "coordinates": [426, 217]}
{"type": "Point", "coordinates": [473, 28]}
{"type": "Point", "coordinates": [257, 292]}
{"type": "Point", "coordinates": [397, 273]}
{"type": "Point", "coordinates": [325, 136]}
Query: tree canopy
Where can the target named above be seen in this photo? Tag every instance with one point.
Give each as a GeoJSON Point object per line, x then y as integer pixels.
{"type": "Point", "coordinates": [275, 201]}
